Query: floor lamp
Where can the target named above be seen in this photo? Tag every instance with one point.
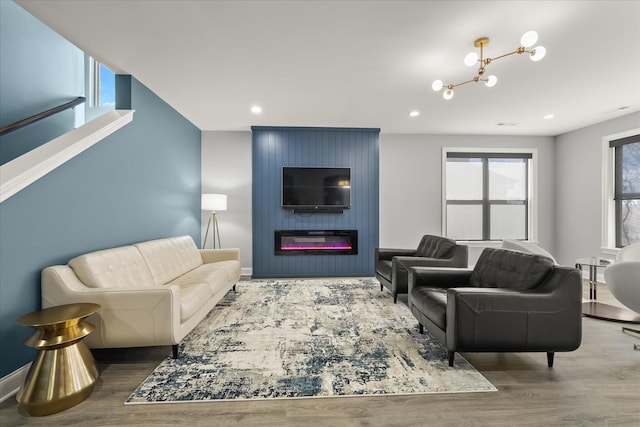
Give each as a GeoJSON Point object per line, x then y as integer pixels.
{"type": "Point", "coordinates": [213, 203]}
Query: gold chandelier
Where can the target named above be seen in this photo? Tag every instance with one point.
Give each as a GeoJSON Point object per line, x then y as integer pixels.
{"type": "Point", "coordinates": [528, 39]}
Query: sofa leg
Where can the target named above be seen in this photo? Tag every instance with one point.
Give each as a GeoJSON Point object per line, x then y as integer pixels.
{"type": "Point", "coordinates": [395, 298]}
{"type": "Point", "coordinates": [550, 355]}
{"type": "Point", "coordinates": [175, 351]}
{"type": "Point", "coordinates": [234, 288]}
{"type": "Point", "coordinates": [381, 287]}
{"type": "Point", "coordinates": [421, 328]}
{"type": "Point", "coordinates": [451, 356]}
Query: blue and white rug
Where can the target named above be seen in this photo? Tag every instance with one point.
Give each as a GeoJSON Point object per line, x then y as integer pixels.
{"type": "Point", "coordinates": [307, 338]}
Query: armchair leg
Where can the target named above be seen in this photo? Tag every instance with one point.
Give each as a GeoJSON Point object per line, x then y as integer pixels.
{"type": "Point", "coordinates": [451, 356]}
{"type": "Point", "coordinates": [550, 355]}
{"type": "Point", "coordinates": [381, 287]}
{"type": "Point", "coordinates": [421, 328]}
{"type": "Point", "coordinates": [395, 298]}
{"type": "Point", "coordinates": [175, 351]}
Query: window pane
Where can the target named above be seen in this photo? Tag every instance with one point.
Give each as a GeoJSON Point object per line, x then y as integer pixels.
{"type": "Point", "coordinates": [508, 222]}
{"type": "Point", "coordinates": [631, 168]}
{"type": "Point", "coordinates": [464, 222]}
{"type": "Point", "coordinates": [507, 179]}
{"type": "Point", "coordinates": [107, 87]}
{"type": "Point", "coordinates": [630, 219]}
{"type": "Point", "coordinates": [464, 179]}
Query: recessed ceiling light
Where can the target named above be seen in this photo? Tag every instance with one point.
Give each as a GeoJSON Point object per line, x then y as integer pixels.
{"type": "Point", "coordinates": [414, 113]}
{"type": "Point", "coordinates": [256, 109]}
{"type": "Point", "coordinates": [549, 116]}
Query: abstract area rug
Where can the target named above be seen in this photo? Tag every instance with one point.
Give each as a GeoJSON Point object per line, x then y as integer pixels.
{"type": "Point", "coordinates": [307, 338]}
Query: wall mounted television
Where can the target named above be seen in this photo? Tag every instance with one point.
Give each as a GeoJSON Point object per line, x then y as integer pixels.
{"type": "Point", "coordinates": [312, 188]}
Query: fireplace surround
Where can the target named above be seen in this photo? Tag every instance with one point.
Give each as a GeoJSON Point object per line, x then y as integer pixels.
{"type": "Point", "coordinates": [316, 242]}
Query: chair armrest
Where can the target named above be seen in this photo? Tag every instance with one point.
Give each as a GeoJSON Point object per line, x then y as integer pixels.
{"type": "Point", "coordinates": [387, 254]}
{"type": "Point", "coordinates": [547, 318]}
{"type": "Point", "coordinates": [440, 277]}
{"type": "Point", "coordinates": [215, 255]}
{"type": "Point", "coordinates": [435, 277]}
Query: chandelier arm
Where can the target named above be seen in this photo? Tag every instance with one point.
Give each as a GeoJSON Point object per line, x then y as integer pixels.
{"type": "Point", "coordinates": [475, 79]}
{"type": "Point", "coordinates": [506, 54]}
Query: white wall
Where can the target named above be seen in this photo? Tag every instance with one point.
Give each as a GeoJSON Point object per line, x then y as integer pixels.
{"type": "Point", "coordinates": [579, 188]}
{"type": "Point", "coordinates": [226, 169]}
{"type": "Point", "coordinates": [411, 185]}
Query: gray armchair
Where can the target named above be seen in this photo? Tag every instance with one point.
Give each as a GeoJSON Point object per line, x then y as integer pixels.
{"type": "Point", "coordinates": [392, 265]}
{"type": "Point", "coordinates": [510, 301]}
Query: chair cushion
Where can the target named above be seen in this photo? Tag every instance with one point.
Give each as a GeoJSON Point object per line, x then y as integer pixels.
{"type": "Point", "coordinates": [501, 268]}
{"type": "Point", "coordinates": [121, 267]}
{"type": "Point", "coordinates": [170, 258]}
{"type": "Point", "coordinates": [432, 302]}
{"type": "Point", "coordinates": [435, 247]}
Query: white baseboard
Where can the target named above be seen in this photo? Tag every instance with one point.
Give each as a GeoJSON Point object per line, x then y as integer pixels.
{"type": "Point", "coordinates": [10, 384]}
{"type": "Point", "coordinates": [246, 272]}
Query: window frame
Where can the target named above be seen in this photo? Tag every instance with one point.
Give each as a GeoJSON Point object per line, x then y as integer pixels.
{"type": "Point", "coordinates": [611, 242]}
{"type": "Point", "coordinates": [618, 194]}
{"type": "Point", "coordinates": [531, 212]}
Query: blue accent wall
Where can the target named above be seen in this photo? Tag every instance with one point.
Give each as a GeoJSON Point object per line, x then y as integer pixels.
{"type": "Point", "coordinates": [140, 183]}
{"type": "Point", "coordinates": [275, 147]}
{"type": "Point", "coordinates": [39, 70]}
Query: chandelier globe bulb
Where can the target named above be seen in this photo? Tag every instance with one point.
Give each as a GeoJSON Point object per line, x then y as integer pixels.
{"type": "Point", "coordinates": [448, 94]}
{"type": "Point", "coordinates": [529, 38]}
{"type": "Point", "coordinates": [437, 85]}
{"type": "Point", "coordinates": [471, 59]}
{"type": "Point", "coordinates": [538, 53]}
{"type": "Point", "coordinates": [491, 81]}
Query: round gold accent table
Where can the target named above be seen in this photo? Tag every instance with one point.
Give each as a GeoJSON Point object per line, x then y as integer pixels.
{"type": "Point", "coordinates": [64, 371]}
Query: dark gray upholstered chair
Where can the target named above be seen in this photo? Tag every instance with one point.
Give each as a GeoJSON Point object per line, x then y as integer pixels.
{"type": "Point", "coordinates": [433, 251]}
{"type": "Point", "coordinates": [510, 301]}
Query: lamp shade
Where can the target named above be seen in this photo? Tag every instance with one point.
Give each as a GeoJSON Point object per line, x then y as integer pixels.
{"type": "Point", "coordinates": [214, 202]}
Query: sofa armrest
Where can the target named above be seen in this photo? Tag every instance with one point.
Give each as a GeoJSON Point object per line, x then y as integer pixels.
{"type": "Point", "coordinates": [215, 255]}
{"type": "Point", "coordinates": [128, 317]}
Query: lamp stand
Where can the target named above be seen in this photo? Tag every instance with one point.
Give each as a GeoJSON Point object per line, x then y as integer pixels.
{"type": "Point", "coordinates": [216, 230]}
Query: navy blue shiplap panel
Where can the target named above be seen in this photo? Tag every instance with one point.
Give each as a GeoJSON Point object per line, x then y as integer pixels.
{"type": "Point", "coordinates": [275, 147]}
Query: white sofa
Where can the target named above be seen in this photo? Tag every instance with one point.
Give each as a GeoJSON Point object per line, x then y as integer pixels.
{"type": "Point", "coordinates": [151, 293]}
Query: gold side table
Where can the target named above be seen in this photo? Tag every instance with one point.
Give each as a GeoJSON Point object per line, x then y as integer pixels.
{"type": "Point", "coordinates": [64, 371]}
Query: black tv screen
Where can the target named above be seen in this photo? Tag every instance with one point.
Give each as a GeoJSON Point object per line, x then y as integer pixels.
{"type": "Point", "coordinates": [316, 187]}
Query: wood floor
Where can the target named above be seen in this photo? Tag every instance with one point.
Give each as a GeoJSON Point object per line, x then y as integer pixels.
{"type": "Point", "coordinates": [597, 385]}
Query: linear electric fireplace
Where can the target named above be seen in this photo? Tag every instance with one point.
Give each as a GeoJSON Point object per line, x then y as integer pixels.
{"type": "Point", "coordinates": [316, 242]}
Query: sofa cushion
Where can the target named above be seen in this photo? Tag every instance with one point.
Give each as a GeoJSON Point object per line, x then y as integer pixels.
{"type": "Point", "coordinates": [432, 302]}
{"type": "Point", "coordinates": [170, 258]}
{"type": "Point", "coordinates": [216, 275]}
{"type": "Point", "coordinates": [383, 268]}
{"type": "Point", "coordinates": [192, 298]}
{"type": "Point", "coordinates": [500, 268]}
{"type": "Point", "coordinates": [121, 267]}
{"type": "Point", "coordinates": [435, 247]}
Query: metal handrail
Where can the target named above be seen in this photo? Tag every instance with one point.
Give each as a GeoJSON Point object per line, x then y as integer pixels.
{"type": "Point", "coordinates": [25, 122]}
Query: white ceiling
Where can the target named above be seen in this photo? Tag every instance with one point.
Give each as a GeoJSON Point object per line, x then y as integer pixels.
{"type": "Point", "coordinates": [366, 63]}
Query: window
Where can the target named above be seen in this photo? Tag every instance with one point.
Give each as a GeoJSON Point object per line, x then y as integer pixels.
{"type": "Point", "coordinates": [104, 89]}
{"type": "Point", "coordinates": [487, 195]}
{"type": "Point", "coordinates": [627, 189]}
{"type": "Point", "coordinates": [100, 85]}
